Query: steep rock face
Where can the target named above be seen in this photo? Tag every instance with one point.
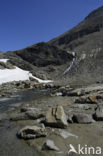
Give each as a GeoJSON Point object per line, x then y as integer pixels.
{"type": "Point", "coordinates": [86, 41]}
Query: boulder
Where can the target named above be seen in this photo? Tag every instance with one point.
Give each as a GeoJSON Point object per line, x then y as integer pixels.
{"type": "Point", "coordinates": [56, 117]}
{"type": "Point", "coordinates": [27, 113]}
{"type": "Point", "coordinates": [49, 145]}
{"type": "Point", "coordinates": [99, 113]}
{"type": "Point", "coordinates": [82, 118]}
{"type": "Point", "coordinates": [31, 132]}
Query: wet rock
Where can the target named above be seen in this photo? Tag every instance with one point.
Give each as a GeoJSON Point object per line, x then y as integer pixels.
{"type": "Point", "coordinates": [18, 116]}
{"type": "Point", "coordinates": [34, 115]}
{"type": "Point", "coordinates": [82, 118]}
{"type": "Point", "coordinates": [27, 114]}
{"type": "Point", "coordinates": [31, 132]}
{"type": "Point", "coordinates": [49, 145]}
{"type": "Point", "coordinates": [77, 92]}
{"type": "Point", "coordinates": [99, 113]}
{"type": "Point", "coordinates": [56, 117]}
{"type": "Point", "coordinates": [86, 99]}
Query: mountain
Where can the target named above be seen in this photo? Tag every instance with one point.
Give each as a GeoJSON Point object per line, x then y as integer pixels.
{"type": "Point", "coordinates": [86, 41]}
{"type": "Point", "coordinates": [79, 35]}
{"type": "Point", "coordinates": [40, 59]}
{"type": "Point", "coordinates": [74, 57]}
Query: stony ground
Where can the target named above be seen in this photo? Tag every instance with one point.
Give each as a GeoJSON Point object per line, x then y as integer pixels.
{"type": "Point", "coordinates": [79, 105]}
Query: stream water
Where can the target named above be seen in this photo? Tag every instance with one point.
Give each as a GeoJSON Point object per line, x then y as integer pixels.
{"type": "Point", "coordinates": [9, 144]}
{"type": "Point", "coordinates": [19, 98]}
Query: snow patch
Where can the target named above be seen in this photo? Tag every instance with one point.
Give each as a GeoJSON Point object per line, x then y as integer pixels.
{"type": "Point", "coordinates": [4, 60]}
{"type": "Point", "coordinates": [17, 74]}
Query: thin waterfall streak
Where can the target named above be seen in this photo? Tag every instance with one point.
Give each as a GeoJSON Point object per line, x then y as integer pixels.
{"type": "Point", "coordinates": [70, 66]}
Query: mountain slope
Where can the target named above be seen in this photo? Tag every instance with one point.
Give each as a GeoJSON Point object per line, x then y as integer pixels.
{"type": "Point", "coordinates": [86, 41]}
{"type": "Point", "coordinates": [39, 59]}
{"type": "Point", "coordinates": [92, 24]}
{"type": "Point", "coordinates": [74, 57]}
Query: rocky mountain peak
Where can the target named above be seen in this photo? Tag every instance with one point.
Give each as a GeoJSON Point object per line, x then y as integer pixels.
{"type": "Point", "coordinates": [96, 13]}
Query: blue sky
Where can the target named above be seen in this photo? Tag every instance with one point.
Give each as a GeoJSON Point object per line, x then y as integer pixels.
{"type": "Point", "coordinates": [26, 22]}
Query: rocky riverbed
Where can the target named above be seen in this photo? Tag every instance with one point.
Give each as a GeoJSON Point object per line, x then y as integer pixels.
{"type": "Point", "coordinates": [46, 122]}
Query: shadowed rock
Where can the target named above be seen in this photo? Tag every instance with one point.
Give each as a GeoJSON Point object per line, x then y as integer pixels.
{"type": "Point", "coordinates": [82, 118]}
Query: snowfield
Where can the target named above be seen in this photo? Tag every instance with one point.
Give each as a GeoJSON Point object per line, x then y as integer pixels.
{"type": "Point", "coordinates": [17, 74]}
{"type": "Point", "coordinates": [4, 60]}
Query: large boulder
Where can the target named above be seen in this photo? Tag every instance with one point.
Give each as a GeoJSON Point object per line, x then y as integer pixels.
{"type": "Point", "coordinates": [56, 117]}
{"type": "Point", "coordinates": [31, 132]}
{"type": "Point", "coordinates": [99, 113]}
{"type": "Point", "coordinates": [82, 118]}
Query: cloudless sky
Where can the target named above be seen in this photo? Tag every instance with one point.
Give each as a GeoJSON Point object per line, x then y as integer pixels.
{"type": "Point", "coordinates": [26, 22]}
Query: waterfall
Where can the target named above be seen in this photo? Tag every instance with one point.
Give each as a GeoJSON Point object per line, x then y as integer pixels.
{"type": "Point", "coordinates": [70, 66]}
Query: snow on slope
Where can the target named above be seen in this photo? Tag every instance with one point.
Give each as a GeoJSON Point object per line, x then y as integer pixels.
{"type": "Point", "coordinates": [4, 60]}
{"type": "Point", "coordinates": [17, 74]}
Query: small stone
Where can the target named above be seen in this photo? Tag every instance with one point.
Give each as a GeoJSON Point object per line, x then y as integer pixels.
{"type": "Point", "coordinates": [66, 134]}
{"type": "Point", "coordinates": [49, 145]}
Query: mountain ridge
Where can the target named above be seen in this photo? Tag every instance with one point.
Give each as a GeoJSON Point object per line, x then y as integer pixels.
{"type": "Point", "coordinates": [84, 42]}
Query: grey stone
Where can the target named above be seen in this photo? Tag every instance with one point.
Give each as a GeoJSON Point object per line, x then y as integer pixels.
{"type": "Point", "coordinates": [99, 113]}
{"type": "Point", "coordinates": [49, 145]}
{"type": "Point", "coordinates": [82, 118]}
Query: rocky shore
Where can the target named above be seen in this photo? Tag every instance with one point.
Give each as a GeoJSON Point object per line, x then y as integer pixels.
{"type": "Point", "coordinates": [66, 115]}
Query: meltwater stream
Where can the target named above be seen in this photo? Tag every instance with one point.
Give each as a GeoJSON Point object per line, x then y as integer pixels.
{"type": "Point", "coordinates": [10, 145]}
{"type": "Point", "coordinates": [20, 97]}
